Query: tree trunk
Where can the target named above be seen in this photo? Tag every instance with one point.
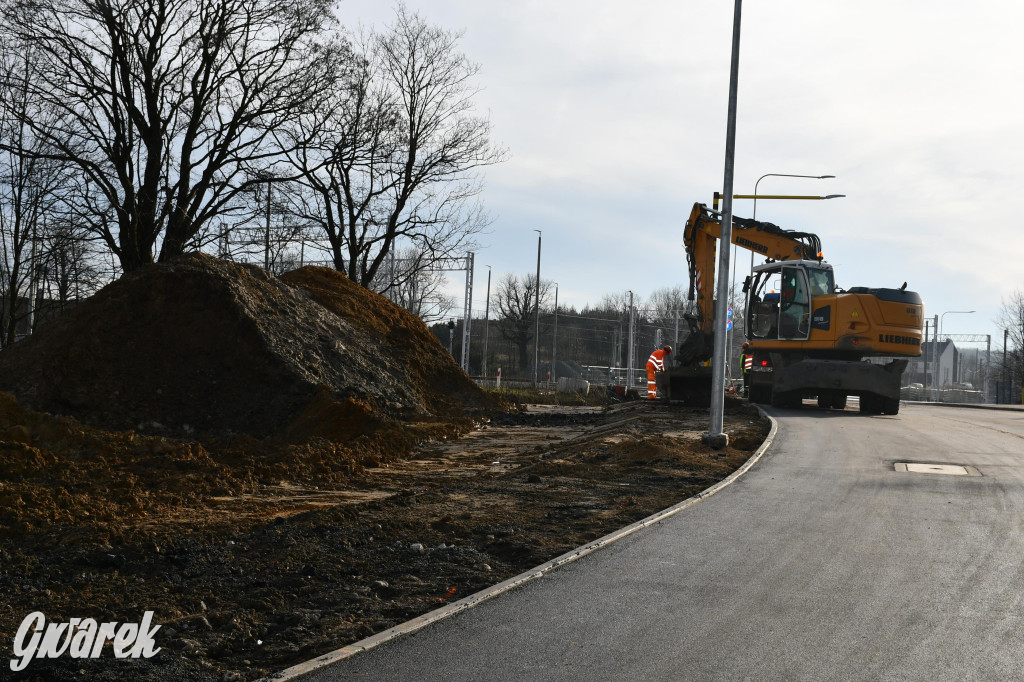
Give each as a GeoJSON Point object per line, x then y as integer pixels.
{"type": "Point", "coordinates": [523, 344]}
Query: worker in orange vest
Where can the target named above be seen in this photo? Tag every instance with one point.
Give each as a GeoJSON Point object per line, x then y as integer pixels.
{"type": "Point", "coordinates": [656, 363]}
{"type": "Point", "coordinates": [748, 361]}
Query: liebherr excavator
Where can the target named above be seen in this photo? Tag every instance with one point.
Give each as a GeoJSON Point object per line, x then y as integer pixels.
{"type": "Point", "coordinates": [808, 338]}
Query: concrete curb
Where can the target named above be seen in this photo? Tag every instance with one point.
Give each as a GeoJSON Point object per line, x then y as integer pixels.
{"type": "Point", "coordinates": [973, 406]}
{"type": "Point", "coordinates": [472, 600]}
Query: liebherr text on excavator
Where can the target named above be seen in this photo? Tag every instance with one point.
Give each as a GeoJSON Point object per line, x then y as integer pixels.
{"type": "Point", "coordinates": [809, 339]}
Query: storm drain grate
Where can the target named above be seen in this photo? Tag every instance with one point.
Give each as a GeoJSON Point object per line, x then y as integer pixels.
{"type": "Point", "coordinates": [945, 469]}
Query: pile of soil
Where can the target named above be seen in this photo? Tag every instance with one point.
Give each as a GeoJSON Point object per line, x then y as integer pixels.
{"type": "Point", "coordinates": [429, 369]}
{"type": "Point", "coordinates": [202, 347]}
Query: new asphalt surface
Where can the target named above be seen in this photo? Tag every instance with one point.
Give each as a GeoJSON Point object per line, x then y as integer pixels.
{"type": "Point", "coordinates": [827, 560]}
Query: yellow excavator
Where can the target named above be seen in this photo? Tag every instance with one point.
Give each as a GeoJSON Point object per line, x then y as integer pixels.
{"type": "Point", "coordinates": [808, 338]}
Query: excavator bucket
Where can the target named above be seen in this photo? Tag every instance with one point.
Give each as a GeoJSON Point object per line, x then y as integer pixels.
{"type": "Point", "coordinates": [687, 385]}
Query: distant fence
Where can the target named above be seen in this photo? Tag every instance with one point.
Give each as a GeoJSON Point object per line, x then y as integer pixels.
{"type": "Point", "coordinates": [596, 376]}
{"type": "Point", "coordinates": [563, 385]}
{"type": "Point", "coordinates": [512, 383]}
{"type": "Point", "coordinates": [943, 395]}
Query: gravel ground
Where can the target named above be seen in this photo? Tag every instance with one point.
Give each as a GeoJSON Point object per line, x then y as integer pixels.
{"type": "Point", "coordinates": [247, 576]}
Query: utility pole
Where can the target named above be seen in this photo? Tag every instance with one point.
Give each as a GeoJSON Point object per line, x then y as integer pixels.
{"type": "Point", "coordinates": [716, 437]}
{"type": "Point", "coordinates": [1002, 371]}
{"type": "Point", "coordinates": [935, 357]}
{"type": "Point", "coordinates": [988, 362]}
{"type": "Point", "coordinates": [467, 312]}
{"type": "Point", "coordinates": [391, 275]}
{"type": "Point", "coordinates": [617, 347]}
{"type": "Point", "coordinates": [536, 304]}
{"type": "Point", "coordinates": [487, 323]}
{"type": "Point", "coordinates": [924, 359]}
{"type": "Point", "coordinates": [629, 345]}
{"type": "Point", "coordinates": [266, 241]}
{"type": "Point", "coordinates": [31, 283]}
{"type": "Point", "coordinates": [554, 341]}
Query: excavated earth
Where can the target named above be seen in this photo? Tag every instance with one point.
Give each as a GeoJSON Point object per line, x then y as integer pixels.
{"type": "Point", "coordinates": [280, 467]}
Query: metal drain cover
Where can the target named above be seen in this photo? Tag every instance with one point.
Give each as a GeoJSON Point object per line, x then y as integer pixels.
{"type": "Point", "coordinates": [945, 469]}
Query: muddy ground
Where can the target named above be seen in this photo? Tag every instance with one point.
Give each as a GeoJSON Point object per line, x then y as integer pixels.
{"type": "Point", "coordinates": [249, 573]}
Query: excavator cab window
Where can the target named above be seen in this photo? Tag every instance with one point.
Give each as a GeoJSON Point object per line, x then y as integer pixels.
{"type": "Point", "coordinates": [795, 307]}
{"type": "Point", "coordinates": [822, 281]}
{"type": "Point", "coordinates": [779, 306]}
{"type": "Point", "coordinates": [763, 305]}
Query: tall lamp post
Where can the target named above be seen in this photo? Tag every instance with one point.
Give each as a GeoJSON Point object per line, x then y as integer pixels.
{"type": "Point", "coordinates": [487, 324]}
{"type": "Point", "coordinates": [716, 437]}
{"type": "Point", "coordinates": [536, 304]}
{"type": "Point", "coordinates": [938, 338]}
{"type": "Point", "coordinates": [554, 341]}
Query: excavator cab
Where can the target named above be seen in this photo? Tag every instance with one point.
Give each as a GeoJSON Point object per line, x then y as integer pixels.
{"type": "Point", "coordinates": [780, 297]}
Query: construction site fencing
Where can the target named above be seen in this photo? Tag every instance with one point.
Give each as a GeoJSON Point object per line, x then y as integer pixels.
{"type": "Point", "coordinates": [943, 395]}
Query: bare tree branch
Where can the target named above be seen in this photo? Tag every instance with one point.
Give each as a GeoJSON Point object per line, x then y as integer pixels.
{"type": "Point", "coordinates": [394, 160]}
{"type": "Point", "coordinates": [166, 106]}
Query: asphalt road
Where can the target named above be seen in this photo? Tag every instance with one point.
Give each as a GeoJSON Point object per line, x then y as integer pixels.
{"type": "Point", "coordinates": [822, 562]}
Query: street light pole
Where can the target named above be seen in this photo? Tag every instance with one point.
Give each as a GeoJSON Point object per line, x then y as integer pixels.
{"type": "Point", "coordinates": [629, 345]}
{"type": "Point", "coordinates": [1003, 372]}
{"type": "Point", "coordinates": [554, 342]}
{"type": "Point", "coordinates": [266, 243]}
{"type": "Point", "coordinates": [716, 437]}
{"type": "Point", "coordinates": [487, 323]}
{"type": "Point", "coordinates": [536, 333]}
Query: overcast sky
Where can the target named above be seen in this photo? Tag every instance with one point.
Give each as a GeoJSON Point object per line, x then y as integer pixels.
{"type": "Point", "coordinates": [616, 119]}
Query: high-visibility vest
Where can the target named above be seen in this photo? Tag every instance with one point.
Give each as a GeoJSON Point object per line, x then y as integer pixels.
{"type": "Point", "coordinates": [748, 362]}
{"type": "Point", "coordinates": [658, 360]}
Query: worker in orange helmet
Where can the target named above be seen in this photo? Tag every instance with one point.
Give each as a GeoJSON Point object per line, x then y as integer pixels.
{"type": "Point", "coordinates": [655, 364]}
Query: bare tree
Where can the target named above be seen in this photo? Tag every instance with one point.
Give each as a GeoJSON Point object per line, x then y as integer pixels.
{"type": "Point", "coordinates": [266, 231]}
{"type": "Point", "coordinates": [515, 301]}
{"type": "Point", "coordinates": [72, 265]}
{"type": "Point", "coordinates": [394, 159]}
{"type": "Point", "coordinates": [665, 303]}
{"type": "Point", "coordinates": [410, 284]}
{"type": "Point", "coordinates": [166, 105]}
{"type": "Point", "coordinates": [29, 183]}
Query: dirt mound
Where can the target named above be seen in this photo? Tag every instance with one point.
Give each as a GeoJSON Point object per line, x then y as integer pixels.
{"type": "Point", "coordinates": [202, 347]}
{"type": "Point", "coordinates": [398, 334]}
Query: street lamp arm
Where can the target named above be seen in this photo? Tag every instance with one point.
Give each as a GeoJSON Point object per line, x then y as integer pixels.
{"type": "Point", "coordinates": [784, 175]}
{"type": "Point", "coordinates": [815, 197]}
{"type": "Point", "coordinates": [790, 175]}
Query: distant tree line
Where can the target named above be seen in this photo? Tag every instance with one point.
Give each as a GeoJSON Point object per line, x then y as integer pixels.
{"type": "Point", "coordinates": [132, 131]}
